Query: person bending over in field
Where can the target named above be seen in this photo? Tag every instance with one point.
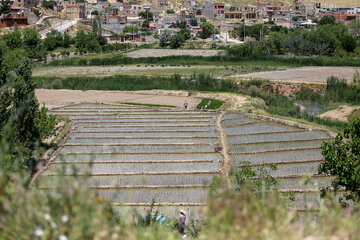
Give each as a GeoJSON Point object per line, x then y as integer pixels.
{"type": "Point", "coordinates": [185, 104]}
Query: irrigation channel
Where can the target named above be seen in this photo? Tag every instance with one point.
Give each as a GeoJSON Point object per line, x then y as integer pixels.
{"type": "Point", "coordinates": [134, 154]}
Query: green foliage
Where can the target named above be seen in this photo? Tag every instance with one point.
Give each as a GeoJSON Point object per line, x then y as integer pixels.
{"type": "Point", "coordinates": [215, 104]}
{"type": "Point", "coordinates": [327, 39]}
{"type": "Point", "coordinates": [177, 41]}
{"type": "Point", "coordinates": [48, 4]}
{"type": "Point", "coordinates": [5, 7]}
{"type": "Point", "coordinates": [53, 40]}
{"type": "Point", "coordinates": [354, 115]}
{"type": "Point", "coordinates": [131, 29]}
{"type": "Point", "coordinates": [165, 37]}
{"type": "Point", "coordinates": [193, 22]}
{"type": "Point", "coordinates": [342, 160]}
{"type": "Point", "coordinates": [207, 30]}
{"type": "Point", "coordinates": [148, 105]}
{"type": "Point", "coordinates": [87, 42]}
{"type": "Point", "coordinates": [147, 15]}
{"type": "Point", "coordinates": [327, 20]}
{"type": "Point", "coordinates": [170, 11]}
{"type": "Point", "coordinates": [145, 25]}
{"type": "Point", "coordinates": [198, 12]}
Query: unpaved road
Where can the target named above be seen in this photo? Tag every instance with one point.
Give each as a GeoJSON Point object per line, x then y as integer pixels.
{"type": "Point", "coordinates": [101, 70]}
{"type": "Point", "coordinates": [172, 52]}
{"type": "Point", "coordinates": [305, 74]}
{"type": "Point", "coordinates": [339, 114]}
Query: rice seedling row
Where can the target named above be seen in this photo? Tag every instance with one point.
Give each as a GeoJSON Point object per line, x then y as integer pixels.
{"type": "Point", "coordinates": [146, 134]}
{"type": "Point", "coordinates": [298, 183]}
{"type": "Point", "coordinates": [143, 180]}
{"type": "Point", "coordinates": [112, 110]}
{"type": "Point", "coordinates": [260, 127]}
{"type": "Point", "coordinates": [143, 129]}
{"type": "Point", "coordinates": [160, 196]}
{"type": "Point", "coordinates": [139, 118]}
{"type": "Point", "coordinates": [137, 149]}
{"type": "Point", "coordinates": [237, 121]}
{"type": "Point", "coordinates": [140, 126]}
{"type": "Point", "coordinates": [280, 156]}
{"type": "Point", "coordinates": [274, 146]}
{"type": "Point", "coordinates": [117, 168]}
{"type": "Point", "coordinates": [233, 116]}
{"type": "Point", "coordinates": [138, 157]}
{"type": "Point", "coordinates": [141, 141]}
{"type": "Point", "coordinates": [294, 169]}
{"type": "Point", "coordinates": [144, 122]}
{"type": "Point", "coordinates": [275, 137]}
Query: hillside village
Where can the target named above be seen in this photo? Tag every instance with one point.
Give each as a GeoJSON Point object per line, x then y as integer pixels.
{"type": "Point", "coordinates": [141, 23]}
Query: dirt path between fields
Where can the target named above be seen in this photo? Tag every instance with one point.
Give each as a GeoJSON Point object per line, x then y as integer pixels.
{"type": "Point", "coordinates": [57, 98]}
{"type": "Point", "coordinates": [304, 74]}
{"type": "Point", "coordinates": [225, 171]}
{"type": "Point", "coordinates": [172, 52]}
{"type": "Point", "coordinates": [339, 114]}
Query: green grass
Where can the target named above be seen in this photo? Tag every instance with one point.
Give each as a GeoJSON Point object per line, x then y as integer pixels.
{"type": "Point", "coordinates": [215, 104]}
{"type": "Point", "coordinates": [148, 105]}
{"type": "Point", "coordinates": [354, 115]}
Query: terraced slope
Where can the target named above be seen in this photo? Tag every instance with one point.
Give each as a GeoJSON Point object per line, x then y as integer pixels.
{"type": "Point", "coordinates": [134, 154]}
{"type": "Point", "coordinates": [296, 152]}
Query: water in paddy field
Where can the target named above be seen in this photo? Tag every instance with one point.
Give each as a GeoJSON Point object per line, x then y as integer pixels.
{"type": "Point", "coordinates": [309, 107]}
{"type": "Point", "coordinates": [144, 153]}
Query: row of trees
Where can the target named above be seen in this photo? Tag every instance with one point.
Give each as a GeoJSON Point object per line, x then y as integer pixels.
{"type": "Point", "coordinates": [334, 39]}
{"type": "Point", "coordinates": [23, 125]}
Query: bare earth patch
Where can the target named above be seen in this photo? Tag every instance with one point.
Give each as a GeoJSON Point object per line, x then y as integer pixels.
{"type": "Point", "coordinates": [305, 74]}
{"type": "Point", "coordinates": [101, 70]}
{"type": "Point", "coordinates": [172, 52]}
{"type": "Point", "coordinates": [339, 114]}
{"type": "Point", "coordinates": [57, 98]}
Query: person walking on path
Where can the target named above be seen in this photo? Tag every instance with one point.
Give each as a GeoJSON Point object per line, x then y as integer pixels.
{"type": "Point", "coordinates": [185, 104]}
{"type": "Point", "coordinates": [181, 221]}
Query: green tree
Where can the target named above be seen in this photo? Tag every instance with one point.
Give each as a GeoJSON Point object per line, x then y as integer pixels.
{"type": "Point", "coordinates": [53, 40]}
{"type": "Point", "coordinates": [185, 33]}
{"type": "Point", "coordinates": [131, 29]}
{"type": "Point", "coordinates": [177, 41]}
{"type": "Point", "coordinates": [342, 159]}
{"type": "Point", "coordinates": [67, 40]}
{"type": "Point", "coordinates": [170, 11]}
{"type": "Point", "coordinates": [198, 12]}
{"type": "Point", "coordinates": [33, 44]}
{"type": "Point", "coordinates": [5, 7]}
{"type": "Point", "coordinates": [48, 5]}
{"type": "Point", "coordinates": [165, 38]}
{"type": "Point", "coordinates": [13, 39]}
{"type": "Point", "coordinates": [193, 22]}
{"type": "Point", "coordinates": [145, 25]}
{"type": "Point", "coordinates": [207, 30]}
{"type": "Point", "coordinates": [147, 15]}
{"type": "Point", "coordinates": [327, 20]}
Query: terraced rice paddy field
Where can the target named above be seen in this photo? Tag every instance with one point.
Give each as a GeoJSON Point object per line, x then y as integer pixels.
{"type": "Point", "coordinates": [295, 152]}
{"type": "Point", "coordinates": [136, 154]}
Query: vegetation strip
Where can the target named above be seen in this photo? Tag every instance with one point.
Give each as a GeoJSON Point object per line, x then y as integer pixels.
{"type": "Point", "coordinates": [149, 126]}
{"type": "Point", "coordinates": [130, 187]}
{"type": "Point", "coordinates": [265, 133]}
{"type": "Point", "coordinates": [143, 118]}
{"type": "Point", "coordinates": [286, 163]}
{"type": "Point", "coordinates": [149, 105]}
{"type": "Point", "coordinates": [145, 138]}
{"type": "Point", "coordinates": [134, 144]}
{"type": "Point", "coordinates": [241, 124]}
{"type": "Point", "coordinates": [163, 204]}
{"type": "Point", "coordinates": [136, 153]}
{"type": "Point", "coordinates": [148, 131]}
{"type": "Point", "coordinates": [270, 151]}
{"type": "Point", "coordinates": [132, 162]}
{"type": "Point", "coordinates": [285, 141]}
{"type": "Point", "coordinates": [138, 173]}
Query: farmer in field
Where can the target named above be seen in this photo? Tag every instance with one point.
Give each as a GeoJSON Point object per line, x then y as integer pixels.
{"type": "Point", "coordinates": [181, 221]}
{"type": "Point", "coordinates": [185, 104]}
